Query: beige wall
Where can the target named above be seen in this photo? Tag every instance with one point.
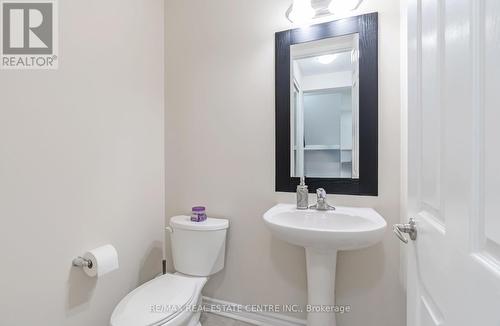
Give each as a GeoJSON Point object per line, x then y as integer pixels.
{"type": "Point", "coordinates": [81, 165]}
{"type": "Point", "coordinates": [220, 149]}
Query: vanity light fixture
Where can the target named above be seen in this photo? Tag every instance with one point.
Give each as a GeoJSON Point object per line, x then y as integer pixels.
{"type": "Point", "coordinates": [301, 12]}
{"type": "Point", "coordinates": [327, 58]}
{"type": "Point", "coordinates": [342, 6]}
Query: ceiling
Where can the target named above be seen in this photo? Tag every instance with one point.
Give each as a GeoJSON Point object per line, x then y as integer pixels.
{"type": "Point", "coordinates": [311, 66]}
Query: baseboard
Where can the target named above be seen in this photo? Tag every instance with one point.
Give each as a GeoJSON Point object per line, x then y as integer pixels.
{"type": "Point", "coordinates": [254, 318]}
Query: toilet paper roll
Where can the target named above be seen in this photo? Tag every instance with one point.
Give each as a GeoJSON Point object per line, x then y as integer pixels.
{"type": "Point", "coordinates": [104, 260]}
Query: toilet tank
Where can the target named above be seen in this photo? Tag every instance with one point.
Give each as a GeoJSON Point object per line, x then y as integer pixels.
{"type": "Point", "coordinates": [198, 248]}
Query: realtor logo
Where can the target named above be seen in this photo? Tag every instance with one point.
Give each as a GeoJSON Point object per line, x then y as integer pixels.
{"type": "Point", "coordinates": [29, 34]}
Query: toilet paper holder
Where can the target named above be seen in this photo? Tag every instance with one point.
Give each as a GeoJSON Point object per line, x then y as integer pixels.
{"type": "Point", "coordinates": [82, 262]}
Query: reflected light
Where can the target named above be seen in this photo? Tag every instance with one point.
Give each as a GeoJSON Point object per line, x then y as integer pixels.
{"type": "Point", "coordinates": [327, 58]}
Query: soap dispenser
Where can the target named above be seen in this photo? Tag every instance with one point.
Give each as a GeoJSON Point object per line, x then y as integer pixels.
{"type": "Point", "coordinates": [302, 194]}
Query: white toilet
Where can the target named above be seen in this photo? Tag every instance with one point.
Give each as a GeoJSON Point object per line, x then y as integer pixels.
{"type": "Point", "coordinates": [198, 250]}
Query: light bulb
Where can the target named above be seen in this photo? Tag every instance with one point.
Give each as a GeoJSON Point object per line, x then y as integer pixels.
{"type": "Point", "coordinates": [327, 58]}
{"type": "Point", "coordinates": [302, 11]}
{"type": "Point", "coordinates": [342, 6]}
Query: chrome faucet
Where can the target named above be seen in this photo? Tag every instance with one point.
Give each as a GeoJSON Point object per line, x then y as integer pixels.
{"type": "Point", "coordinates": [321, 204]}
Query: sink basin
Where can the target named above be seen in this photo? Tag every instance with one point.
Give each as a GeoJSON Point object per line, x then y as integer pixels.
{"type": "Point", "coordinates": [345, 228]}
{"type": "Point", "coordinates": [322, 234]}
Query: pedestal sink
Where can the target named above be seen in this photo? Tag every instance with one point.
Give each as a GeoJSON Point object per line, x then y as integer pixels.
{"type": "Point", "coordinates": [322, 234]}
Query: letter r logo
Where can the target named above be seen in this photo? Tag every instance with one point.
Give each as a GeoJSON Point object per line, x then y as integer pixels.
{"type": "Point", "coordinates": [27, 28]}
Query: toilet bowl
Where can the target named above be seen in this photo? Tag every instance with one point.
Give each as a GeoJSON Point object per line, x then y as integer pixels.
{"type": "Point", "coordinates": [198, 250]}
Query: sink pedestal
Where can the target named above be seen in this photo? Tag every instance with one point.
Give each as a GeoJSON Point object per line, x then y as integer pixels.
{"type": "Point", "coordinates": [321, 266]}
{"type": "Point", "coordinates": [323, 233]}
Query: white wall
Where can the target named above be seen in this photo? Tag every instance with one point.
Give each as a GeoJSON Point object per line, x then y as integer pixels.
{"type": "Point", "coordinates": [81, 165]}
{"type": "Point", "coordinates": [220, 145]}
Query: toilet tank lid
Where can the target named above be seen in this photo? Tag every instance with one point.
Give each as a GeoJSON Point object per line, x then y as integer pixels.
{"type": "Point", "coordinates": [210, 224]}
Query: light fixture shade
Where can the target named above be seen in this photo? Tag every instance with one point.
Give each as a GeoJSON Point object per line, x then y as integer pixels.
{"type": "Point", "coordinates": [327, 58]}
{"type": "Point", "coordinates": [302, 11]}
{"type": "Point", "coordinates": [341, 6]}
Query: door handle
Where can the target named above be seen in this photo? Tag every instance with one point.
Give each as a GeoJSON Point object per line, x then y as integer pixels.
{"type": "Point", "coordinates": [410, 228]}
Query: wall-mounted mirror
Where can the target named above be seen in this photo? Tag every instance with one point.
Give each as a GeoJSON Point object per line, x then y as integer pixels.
{"type": "Point", "coordinates": [326, 106]}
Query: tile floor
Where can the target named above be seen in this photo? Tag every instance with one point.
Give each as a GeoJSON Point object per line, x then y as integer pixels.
{"type": "Point", "coordinates": [208, 319]}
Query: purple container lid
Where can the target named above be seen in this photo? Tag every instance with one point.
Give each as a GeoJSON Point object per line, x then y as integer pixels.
{"type": "Point", "coordinates": [198, 209]}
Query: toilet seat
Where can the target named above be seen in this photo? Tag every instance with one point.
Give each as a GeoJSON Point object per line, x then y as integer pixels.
{"type": "Point", "coordinates": [158, 301]}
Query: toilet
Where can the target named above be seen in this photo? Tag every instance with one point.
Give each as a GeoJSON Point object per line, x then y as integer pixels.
{"type": "Point", "coordinates": [198, 250]}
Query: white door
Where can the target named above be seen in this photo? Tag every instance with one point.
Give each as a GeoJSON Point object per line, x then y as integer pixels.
{"type": "Point", "coordinates": [454, 162]}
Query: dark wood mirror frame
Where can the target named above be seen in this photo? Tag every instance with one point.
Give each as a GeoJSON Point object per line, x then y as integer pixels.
{"type": "Point", "coordinates": [367, 27]}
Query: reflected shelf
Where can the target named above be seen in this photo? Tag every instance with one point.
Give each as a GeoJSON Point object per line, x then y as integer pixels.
{"type": "Point", "coordinates": [323, 148]}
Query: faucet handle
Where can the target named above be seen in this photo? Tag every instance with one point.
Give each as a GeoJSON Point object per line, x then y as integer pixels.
{"type": "Point", "coordinates": [321, 204]}
{"type": "Point", "coordinates": [321, 193]}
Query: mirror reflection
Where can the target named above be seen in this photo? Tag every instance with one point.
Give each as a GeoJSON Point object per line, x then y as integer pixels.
{"type": "Point", "coordinates": [325, 108]}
